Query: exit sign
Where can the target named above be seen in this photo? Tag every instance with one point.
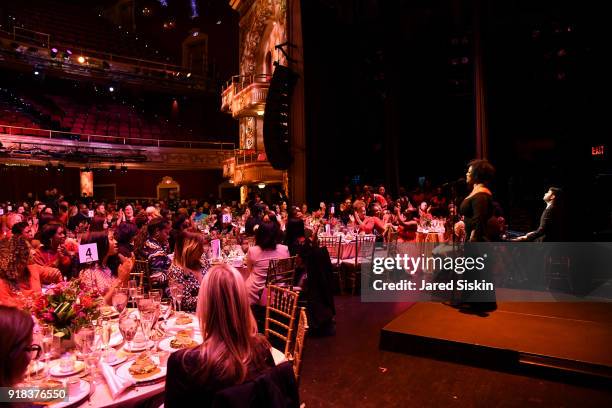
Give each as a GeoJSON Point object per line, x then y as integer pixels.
{"type": "Point", "coordinates": [598, 151]}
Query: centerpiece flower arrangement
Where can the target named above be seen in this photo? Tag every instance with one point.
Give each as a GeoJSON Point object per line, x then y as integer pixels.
{"type": "Point", "coordinates": [426, 221]}
{"type": "Point", "coordinates": [67, 306]}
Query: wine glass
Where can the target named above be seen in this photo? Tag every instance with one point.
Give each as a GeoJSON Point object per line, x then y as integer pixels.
{"type": "Point", "coordinates": [85, 339]}
{"type": "Point", "coordinates": [120, 299]}
{"type": "Point", "coordinates": [46, 342]}
{"type": "Point", "coordinates": [105, 334]}
{"type": "Point", "coordinates": [133, 290]}
{"type": "Point", "coordinates": [156, 295]}
{"type": "Point", "coordinates": [165, 308]}
{"type": "Point", "coordinates": [128, 325]}
{"type": "Point", "coordinates": [33, 367]}
{"type": "Point", "coordinates": [147, 319]}
{"type": "Point", "coordinates": [176, 291]}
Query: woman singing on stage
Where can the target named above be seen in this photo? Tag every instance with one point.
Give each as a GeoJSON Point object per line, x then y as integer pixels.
{"type": "Point", "coordinates": [477, 208]}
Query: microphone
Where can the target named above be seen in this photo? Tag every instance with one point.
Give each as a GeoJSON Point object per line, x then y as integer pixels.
{"type": "Point", "coordinates": [454, 183]}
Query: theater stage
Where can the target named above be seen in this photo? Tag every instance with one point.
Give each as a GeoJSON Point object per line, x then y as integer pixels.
{"type": "Point", "coordinates": [570, 340]}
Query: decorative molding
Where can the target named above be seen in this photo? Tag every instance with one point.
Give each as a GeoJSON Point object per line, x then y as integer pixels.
{"type": "Point", "coordinates": [252, 27]}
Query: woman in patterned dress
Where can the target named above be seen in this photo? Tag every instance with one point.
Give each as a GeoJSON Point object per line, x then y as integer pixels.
{"type": "Point", "coordinates": [189, 266]}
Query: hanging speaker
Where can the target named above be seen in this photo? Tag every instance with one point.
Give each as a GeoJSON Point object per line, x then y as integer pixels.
{"type": "Point", "coordinates": [276, 117]}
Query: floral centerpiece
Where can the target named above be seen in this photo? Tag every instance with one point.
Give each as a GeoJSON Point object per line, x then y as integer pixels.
{"type": "Point", "coordinates": [426, 221]}
{"type": "Point", "coordinates": [67, 306]}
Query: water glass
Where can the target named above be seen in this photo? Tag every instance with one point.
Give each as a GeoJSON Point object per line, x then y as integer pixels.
{"type": "Point", "coordinates": [128, 325]}
{"type": "Point", "coordinates": [120, 299]}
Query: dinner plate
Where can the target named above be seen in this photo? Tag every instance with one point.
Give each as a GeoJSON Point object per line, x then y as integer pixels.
{"type": "Point", "coordinates": [165, 344]}
{"type": "Point", "coordinates": [84, 389]}
{"type": "Point", "coordinates": [115, 340]}
{"type": "Point", "coordinates": [124, 372]}
{"type": "Point", "coordinates": [194, 323]}
{"type": "Point", "coordinates": [138, 347]}
{"type": "Point", "coordinates": [57, 372]}
{"type": "Point", "coordinates": [120, 359]}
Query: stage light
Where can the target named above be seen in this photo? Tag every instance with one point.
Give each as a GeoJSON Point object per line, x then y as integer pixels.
{"type": "Point", "coordinates": [68, 52]}
{"type": "Point", "coordinates": [48, 166]}
{"type": "Point", "coordinates": [112, 168]}
{"type": "Point", "coordinates": [195, 34]}
{"type": "Point", "coordinates": [218, 22]}
{"type": "Point", "coordinates": [188, 74]}
{"type": "Point", "coordinates": [124, 169]}
{"type": "Point", "coordinates": [260, 113]}
{"type": "Point", "coordinates": [36, 72]}
{"type": "Point", "coordinates": [53, 52]}
{"type": "Point", "coordinates": [81, 59]}
{"type": "Point", "coordinates": [194, 9]}
{"type": "Point", "coordinates": [111, 89]}
{"type": "Point", "coordinates": [60, 167]}
{"type": "Point", "coordinates": [261, 185]}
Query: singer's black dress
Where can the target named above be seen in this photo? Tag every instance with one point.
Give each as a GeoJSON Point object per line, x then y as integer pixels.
{"type": "Point", "coordinates": [477, 210]}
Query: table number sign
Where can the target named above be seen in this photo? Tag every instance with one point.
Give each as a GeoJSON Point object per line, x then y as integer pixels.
{"type": "Point", "coordinates": [88, 253]}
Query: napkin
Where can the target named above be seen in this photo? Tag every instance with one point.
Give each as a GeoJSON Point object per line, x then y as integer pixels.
{"type": "Point", "coordinates": [116, 384]}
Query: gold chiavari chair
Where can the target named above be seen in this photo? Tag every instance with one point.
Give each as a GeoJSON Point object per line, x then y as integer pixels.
{"type": "Point", "coordinates": [334, 248]}
{"type": "Point", "coordinates": [140, 273]}
{"type": "Point", "coordinates": [281, 271]}
{"type": "Point", "coordinates": [391, 238]}
{"type": "Point", "coordinates": [280, 315]}
{"type": "Point", "coordinates": [364, 254]}
{"type": "Point", "coordinates": [298, 345]}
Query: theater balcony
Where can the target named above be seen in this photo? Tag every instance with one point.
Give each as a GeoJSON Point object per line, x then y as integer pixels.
{"type": "Point", "coordinates": [34, 146]}
{"type": "Point", "coordinates": [250, 167]}
{"type": "Point", "coordinates": [245, 95]}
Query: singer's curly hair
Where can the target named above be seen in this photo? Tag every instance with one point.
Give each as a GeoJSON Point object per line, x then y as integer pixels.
{"type": "Point", "coordinates": [482, 171]}
{"type": "Point", "coordinates": [14, 258]}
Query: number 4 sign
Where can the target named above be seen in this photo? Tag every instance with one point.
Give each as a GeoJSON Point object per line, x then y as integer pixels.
{"type": "Point", "coordinates": [88, 253]}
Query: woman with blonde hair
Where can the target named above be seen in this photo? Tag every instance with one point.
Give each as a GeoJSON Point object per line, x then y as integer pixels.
{"type": "Point", "coordinates": [232, 351]}
{"type": "Point", "coordinates": [188, 266]}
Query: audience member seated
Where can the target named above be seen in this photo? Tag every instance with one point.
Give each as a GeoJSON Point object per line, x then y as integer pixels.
{"type": "Point", "coordinates": [187, 266]}
{"type": "Point", "coordinates": [294, 231]}
{"type": "Point", "coordinates": [124, 234]}
{"type": "Point", "coordinates": [51, 254]}
{"type": "Point", "coordinates": [372, 222]}
{"type": "Point", "coordinates": [155, 251]}
{"type": "Point", "coordinates": [407, 227]}
{"type": "Point", "coordinates": [232, 352]}
{"type": "Point", "coordinates": [19, 281]}
{"type": "Point", "coordinates": [16, 348]}
{"type": "Point", "coordinates": [81, 220]}
{"type": "Point", "coordinates": [97, 276]}
{"type": "Point", "coordinates": [258, 257]}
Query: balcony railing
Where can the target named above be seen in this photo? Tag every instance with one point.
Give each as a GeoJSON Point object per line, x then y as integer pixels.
{"type": "Point", "coordinates": [245, 95]}
{"type": "Point", "coordinates": [249, 156]}
{"type": "Point", "coordinates": [92, 138]}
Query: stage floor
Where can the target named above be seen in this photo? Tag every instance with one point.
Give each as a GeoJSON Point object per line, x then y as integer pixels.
{"type": "Point", "coordinates": [563, 336]}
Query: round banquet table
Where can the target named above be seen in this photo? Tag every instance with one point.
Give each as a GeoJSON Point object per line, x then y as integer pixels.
{"type": "Point", "coordinates": [100, 395]}
{"type": "Point", "coordinates": [426, 242]}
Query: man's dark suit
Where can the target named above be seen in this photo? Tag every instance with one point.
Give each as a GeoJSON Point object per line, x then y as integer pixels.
{"type": "Point", "coordinates": [551, 227]}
